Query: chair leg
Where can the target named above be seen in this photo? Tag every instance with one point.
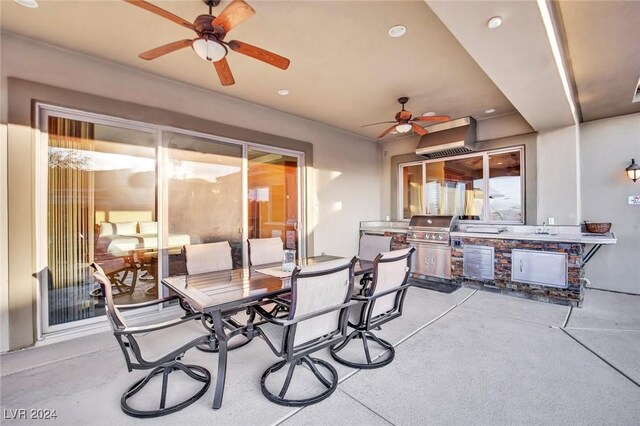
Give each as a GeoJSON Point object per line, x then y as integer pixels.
{"type": "Point", "coordinates": [331, 384]}
{"type": "Point", "coordinates": [385, 358]}
{"type": "Point", "coordinates": [195, 372]}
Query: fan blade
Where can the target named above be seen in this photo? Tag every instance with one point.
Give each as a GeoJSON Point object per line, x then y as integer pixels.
{"type": "Point", "coordinates": [432, 118]}
{"type": "Point", "coordinates": [163, 50]}
{"type": "Point", "coordinates": [161, 12]}
{"type": "Point", "coordinates": [260, 54]}
{"type": "Point", "coordinates": [382, 122]}
{"type": "Point", "coordinates": [233, 15]}
{"type": "Point", "coordinates": [419, 130]}
{"type": "Point", "coordinates": [224, 72]}
{"type": "Point", "coordinates": [383, 134]}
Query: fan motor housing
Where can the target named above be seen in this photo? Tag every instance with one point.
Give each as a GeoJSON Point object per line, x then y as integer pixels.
{"type": "Point", "coordinates": [203, 26]}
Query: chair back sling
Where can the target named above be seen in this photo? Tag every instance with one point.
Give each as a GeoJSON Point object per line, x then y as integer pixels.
{"type": "Point", "coordinates": [372, 245]}
{"type": "Point", "coordinates": [264, 250]}
{"type": "Point", "coordinates": [209, 257]}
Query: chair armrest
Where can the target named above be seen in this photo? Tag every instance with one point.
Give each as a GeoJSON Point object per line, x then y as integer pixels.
{"type": "Point", "coordinates": [145, 304]}
{"type": "Point", "coordinates": [159, 326]}
{"type": "Point", "coordinates": [360, 298]}
{"type": "Point", "coordinates": [287, 322]}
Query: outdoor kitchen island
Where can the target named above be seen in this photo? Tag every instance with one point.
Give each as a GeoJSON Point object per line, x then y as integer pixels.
{"type": "Point", "coordinates": [547, 267]}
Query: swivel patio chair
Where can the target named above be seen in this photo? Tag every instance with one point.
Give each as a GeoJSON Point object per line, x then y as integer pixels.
{"type": "Point", "coordinates": [370, 247]}
{"type": "Point", "coordinates": [381, 302]}
{"type": "Point", "coordinates": [317, 319]}
{"type": "Point", "coordinates": [148, 348]}
{"type": "Point", "coordinates": [213, 257]}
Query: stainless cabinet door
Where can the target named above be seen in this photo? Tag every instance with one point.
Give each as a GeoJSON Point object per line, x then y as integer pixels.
{"type": "Point", "coordinates": [539, 267]}
{"type": "Point", "coordinates": [432, 261]}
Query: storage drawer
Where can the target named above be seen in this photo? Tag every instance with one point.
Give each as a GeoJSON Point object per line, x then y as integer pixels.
{"type": "Point", "coordinates": [539, 267]}
{"type": "Point", "coordinates": [478, 262]}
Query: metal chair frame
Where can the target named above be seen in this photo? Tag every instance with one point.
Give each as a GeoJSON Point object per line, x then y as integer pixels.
{"type": "Point", "coordinates": [125, 335]}
{"type": "Point", "coordinates": [297, 355]}
{"type": "Point", "coordinates": [367, 322]}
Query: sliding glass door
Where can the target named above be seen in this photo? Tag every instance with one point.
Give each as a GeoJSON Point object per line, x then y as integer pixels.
{"type": "Point", "coordinates": [100, 191]}
{"type": "Point", "coordinates": [273, 201]}
{"type": "Point", "coordinates": [129, 196]}
{"type": "Point", "coordinates": [204, 196]}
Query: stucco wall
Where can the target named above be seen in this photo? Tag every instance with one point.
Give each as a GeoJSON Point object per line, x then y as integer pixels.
{"type": "Point", "coordinates": [606, 148]}
{"type": "Point", "coordinates": [343, 185]}
{"type": "Point", "coordinates": [559, 176]}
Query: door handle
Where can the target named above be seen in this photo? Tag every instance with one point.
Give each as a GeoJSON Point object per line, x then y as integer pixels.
{"type": "Point", "coordinates": [520, 265]}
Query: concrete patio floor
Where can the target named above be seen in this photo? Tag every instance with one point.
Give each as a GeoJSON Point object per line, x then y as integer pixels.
{"type": "Point", "coordinates": [463, 358]}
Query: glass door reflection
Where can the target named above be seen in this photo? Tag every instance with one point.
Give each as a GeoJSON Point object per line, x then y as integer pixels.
{"type": "Point", "coordinates": [273, 196]}
{"type": "Point", "coordinates": [204, 196]}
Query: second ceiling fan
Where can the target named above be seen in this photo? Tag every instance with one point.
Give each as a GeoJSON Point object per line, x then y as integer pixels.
{"type": "Point", "coordinates": [211, 31]}
{"type": "Point", "coordinates": [405, 122]}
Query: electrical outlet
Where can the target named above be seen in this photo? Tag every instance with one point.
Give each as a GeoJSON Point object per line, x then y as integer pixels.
{"type": "Point", "coordinates": [552, 221]}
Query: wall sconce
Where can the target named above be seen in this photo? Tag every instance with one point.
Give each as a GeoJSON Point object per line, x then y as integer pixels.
{"type": "Point", "coordinates": [633, 171]}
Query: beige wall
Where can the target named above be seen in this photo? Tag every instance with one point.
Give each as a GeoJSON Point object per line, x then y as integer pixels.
{"type": "Point", "coordinates": [559, 176]}
{"type": "Point", "coordinates": [343, 183]}
{"type": "Point", "coordinates": [606, 148]}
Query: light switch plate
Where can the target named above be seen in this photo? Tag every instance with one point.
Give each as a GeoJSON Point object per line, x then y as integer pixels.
{"type": "Point", "coordinates": [552, 221]}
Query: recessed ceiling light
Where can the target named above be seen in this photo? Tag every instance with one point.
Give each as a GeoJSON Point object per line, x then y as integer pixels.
{"type": "Point", "coordinates": [429, 114]}
{"type": "Point", "coordinates": [283, 92]}
{"type": "Point", "coordinates": [494, 22]}
{"type": "Point", "coordinates": [28, 3]}
{"type": "Point", "coordinates": [397, 31]}
{"type": "Point", "coordinates": [489, 111]}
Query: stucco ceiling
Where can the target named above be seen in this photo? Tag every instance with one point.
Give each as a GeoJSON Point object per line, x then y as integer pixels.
{"type": "Point", "coordinates": [345, 70]}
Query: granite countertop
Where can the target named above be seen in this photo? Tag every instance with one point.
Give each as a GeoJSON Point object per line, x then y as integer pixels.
{"type": "Point", "coordinates": [572, 237]}
{"type": "Point", "coordinates": [385, 226]}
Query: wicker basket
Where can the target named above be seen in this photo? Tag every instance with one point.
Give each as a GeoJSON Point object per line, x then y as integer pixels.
{"type": "Point", "coordinates": [597, 227]}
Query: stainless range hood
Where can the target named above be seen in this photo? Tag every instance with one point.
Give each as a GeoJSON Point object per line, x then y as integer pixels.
{"type": "Point", "coordinates": [450, 138]}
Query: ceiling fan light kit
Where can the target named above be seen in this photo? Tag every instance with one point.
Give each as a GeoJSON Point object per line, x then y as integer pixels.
{"type": "Point", "coordinates": [209, 50]}
{"type": "Point", "coordinates": [405, 122]}
{"type": "Point", "coordinates": [31, 4]}
{"type": "Point", "coordinates": [211, 31]}
{"type": "Point", "coordinates": [403, 128]}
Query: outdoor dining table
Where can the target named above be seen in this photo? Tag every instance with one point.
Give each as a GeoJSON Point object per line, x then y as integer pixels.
{"type": "Point", "coordinates": [217, 293]}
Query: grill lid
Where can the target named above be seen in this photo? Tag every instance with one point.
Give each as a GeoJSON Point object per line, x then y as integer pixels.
{"type": "Point", "coordinates": [432, 221]}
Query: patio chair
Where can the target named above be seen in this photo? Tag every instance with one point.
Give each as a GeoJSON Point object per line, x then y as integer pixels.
{"type": "Point", "coordinates": [264, 250]}
{"type": "Point", "coordinates": [210, 257]}
{"type": "Point", "coordinates": [382, 302]}
{"type": "Point", "coordinates": [213, 257]}
{"type": "Point", "coordinates": [370, 247]}
{"type": "Point", "coordinates": [317, 319]}
{"type": "Point", "coordinates": [148, 348]}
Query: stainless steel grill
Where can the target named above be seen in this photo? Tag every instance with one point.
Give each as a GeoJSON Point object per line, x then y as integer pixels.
{"type": "Point", "coordinates": [429, 235]}
{"type": "Point", "coordinates": [431, 229]}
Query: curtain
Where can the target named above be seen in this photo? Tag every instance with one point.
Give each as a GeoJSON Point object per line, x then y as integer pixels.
{"type": "Point", "coordinates": [70, 220]}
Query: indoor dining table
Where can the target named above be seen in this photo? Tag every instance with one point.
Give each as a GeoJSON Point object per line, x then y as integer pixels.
{"type": "Point", "coordinates": [220, 293]}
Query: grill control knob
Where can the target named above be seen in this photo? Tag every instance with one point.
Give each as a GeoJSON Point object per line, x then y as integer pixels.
{"type": "Point", "coordinates": [439, 237]}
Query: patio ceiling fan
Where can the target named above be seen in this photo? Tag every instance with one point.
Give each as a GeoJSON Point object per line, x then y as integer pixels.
{"type": "Point", "coordinates": [211, 31]}
{"type": "Point", "coordinates": [405, 122]}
